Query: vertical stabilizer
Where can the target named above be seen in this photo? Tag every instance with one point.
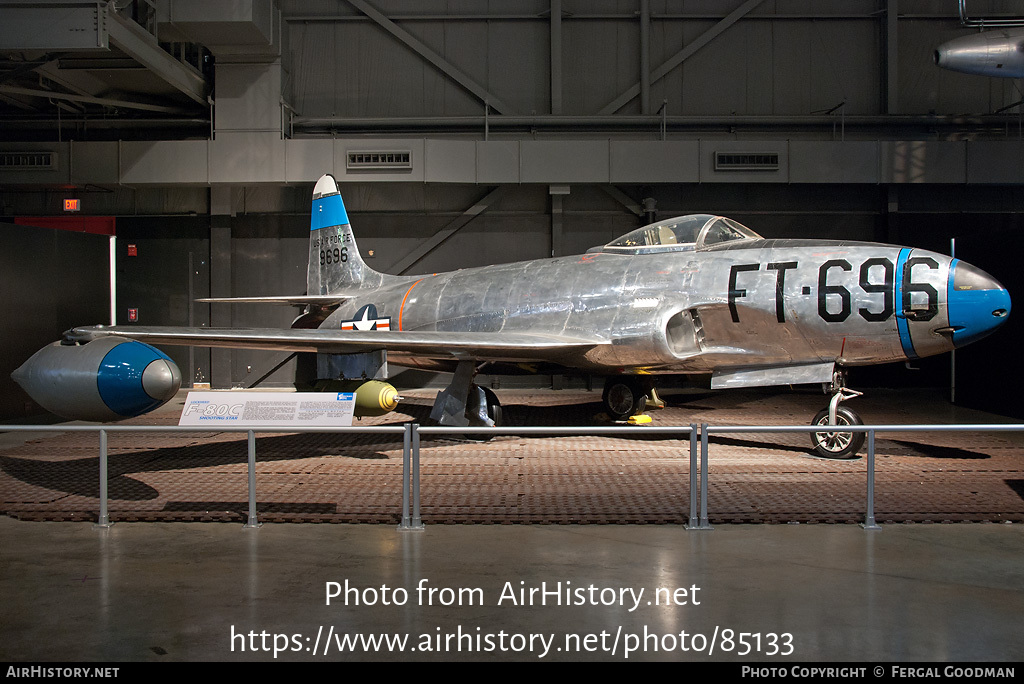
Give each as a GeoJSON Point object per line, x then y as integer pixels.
{"type": "Point", "coordinates": [334, 261]}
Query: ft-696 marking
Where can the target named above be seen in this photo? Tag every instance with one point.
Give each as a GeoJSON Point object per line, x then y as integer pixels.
{"type": "Point", "coordinates": [877, 277]}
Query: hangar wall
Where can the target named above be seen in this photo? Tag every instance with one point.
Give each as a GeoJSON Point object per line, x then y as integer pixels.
{"type": "Point", "coordinates": [592, 107]}
{"type": "Point", "coordinates": [51, 280]}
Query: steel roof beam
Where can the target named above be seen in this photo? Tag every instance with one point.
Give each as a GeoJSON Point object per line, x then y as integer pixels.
{"type": "Point", "coordinates": [433, 57]}
{"type": "Point", "coordinates": [135, 42]}
{"type": "Point", "coordinates": [453, 227]}
{"type": "Point", "coordinates": [107, 102]}
{"type": "Point", "coordinates": [622, 198]}
{"type": "Point", "coordinates": [684, 54]}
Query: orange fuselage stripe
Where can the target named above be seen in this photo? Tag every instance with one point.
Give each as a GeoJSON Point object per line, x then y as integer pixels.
{"type": "Point", "coordinates": [402, 307]}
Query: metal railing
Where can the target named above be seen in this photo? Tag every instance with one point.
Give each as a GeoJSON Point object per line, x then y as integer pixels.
{"type": "Point", "coordinates": [104, 518]}
{"type": "Point", "coordinates": [869, 515]}
{"type": "Point", "coordinates": [411, 518]}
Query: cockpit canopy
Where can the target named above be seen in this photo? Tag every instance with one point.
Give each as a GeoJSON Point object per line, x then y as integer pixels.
{"type": "Point", "coordinates": [681, 234]}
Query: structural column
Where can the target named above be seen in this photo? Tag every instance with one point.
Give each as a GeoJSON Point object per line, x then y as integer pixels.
{"type": "Point", "coordinates": [891, 58]}
{"type": "Point", "coordinates": [556, 56]}
{"type": "Point", "coordinates": [557, 192]}
{"type": "Point", "coordinates": [220, 280]}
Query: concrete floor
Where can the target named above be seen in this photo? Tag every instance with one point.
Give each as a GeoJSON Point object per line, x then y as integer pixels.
{"type": "Point", "coordinates": [180, 591]}
{"type": "Point", "coordinates": [166, 591]}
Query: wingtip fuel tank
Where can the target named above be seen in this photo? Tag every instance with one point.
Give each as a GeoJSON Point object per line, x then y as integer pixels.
{"type": "Point", "coordinates": [110, 378]}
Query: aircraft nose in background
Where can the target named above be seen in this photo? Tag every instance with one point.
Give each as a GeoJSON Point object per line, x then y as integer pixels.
{"type": "Point", "coordinates": [978, 304]}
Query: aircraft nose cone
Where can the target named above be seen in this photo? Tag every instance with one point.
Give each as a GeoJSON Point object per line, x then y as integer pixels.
{"type": "Point", "coordinates": [978, 304]}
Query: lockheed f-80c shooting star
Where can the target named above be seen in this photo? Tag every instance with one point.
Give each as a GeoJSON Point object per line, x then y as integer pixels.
{"type": "Point", "coordinates": [696, 294]}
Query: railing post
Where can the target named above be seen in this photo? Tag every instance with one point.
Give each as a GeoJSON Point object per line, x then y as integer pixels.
{"type": "Point", "coordinates": [252, 523]}
{"type": "Point", "coordinates": [693, 476]}
{"type": "Point", "coordinates": [417, 524]}
{"type": "Point", "coordinates": [104, 520]}
{"type": "Point", "coordinates": [411, 478]}
{"type": "Point", "coordinates": [406, 523]}
{"type": "Point", "coordinates": [703, 524]}
{"type": "Point", "coordinates": [869, 518]}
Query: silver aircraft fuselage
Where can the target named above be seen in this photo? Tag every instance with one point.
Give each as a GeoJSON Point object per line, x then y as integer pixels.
{"type": "Point", "coordinates": [749, 304]}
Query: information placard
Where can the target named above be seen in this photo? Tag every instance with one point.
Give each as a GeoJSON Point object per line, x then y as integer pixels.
{"type": "Point", "coordinates": [268, 409]}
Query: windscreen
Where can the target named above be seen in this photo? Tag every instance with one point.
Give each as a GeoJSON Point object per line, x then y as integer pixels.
{"type": "Point", "coordinates": [682, 233]}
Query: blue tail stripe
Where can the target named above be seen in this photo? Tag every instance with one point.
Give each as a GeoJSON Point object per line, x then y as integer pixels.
{"type": "Point", "coordinates": [327, 212]}
{"type": "Point", "coordinates": [901, 319]}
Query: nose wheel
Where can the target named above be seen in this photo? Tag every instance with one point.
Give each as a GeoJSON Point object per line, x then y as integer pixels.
{"type": "Point", "coordinates": [836, 444]}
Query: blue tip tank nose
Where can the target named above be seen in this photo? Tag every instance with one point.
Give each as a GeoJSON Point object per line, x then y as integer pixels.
{"type": "Point", "coordinates": [978, 304]}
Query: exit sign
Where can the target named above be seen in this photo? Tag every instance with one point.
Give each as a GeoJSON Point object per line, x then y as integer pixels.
{"type": "Point", "coordinates": [72, 205]}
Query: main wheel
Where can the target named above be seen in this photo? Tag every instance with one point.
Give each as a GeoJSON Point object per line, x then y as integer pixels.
{"type": "Point", "coordinates": [623, 397]}
{"type": "Point", "coordinates": [482, 407]}
{"type": "Point", "coordinates": [493, 406]}
{"type": "Point", "coordinates": [837, 444]}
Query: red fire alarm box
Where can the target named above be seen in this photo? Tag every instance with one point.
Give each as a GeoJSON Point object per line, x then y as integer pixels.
{"type": "Point", "coordinates": [133, 315]}
{"type": "Point", "coordinates": [133, 250]}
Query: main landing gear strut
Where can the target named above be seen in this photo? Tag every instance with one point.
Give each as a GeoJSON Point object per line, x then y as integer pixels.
{"type": "Point", "coordinates": [466, 404]}
{"type": "Point", "coordinates": [838, 444]}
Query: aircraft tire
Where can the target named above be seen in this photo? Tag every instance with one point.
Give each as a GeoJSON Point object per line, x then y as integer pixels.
{"type": "Point", "coordinates": [493, 407]}
{"type": "Point", "coordinates": [493, 412]}
{"type": "Point", "coordinates": [623, 397]}
{"type": "Point", "coordinates": [837, 444]}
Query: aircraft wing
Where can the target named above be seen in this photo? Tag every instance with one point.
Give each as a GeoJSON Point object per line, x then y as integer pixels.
{"type": "Point", "coordinates": [491, 346]}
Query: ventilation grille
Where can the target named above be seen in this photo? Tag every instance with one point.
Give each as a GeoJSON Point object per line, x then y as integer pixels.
{"type": "Point", "coordinates": [374, 160]}
{"type": "Point", "coordinates": [28, 161]}
{"type": "Point", "coordinates": [746, 161]}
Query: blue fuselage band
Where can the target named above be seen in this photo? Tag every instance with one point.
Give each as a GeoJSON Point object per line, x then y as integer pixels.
{"type": "Point", "coordinates": [901, 319]}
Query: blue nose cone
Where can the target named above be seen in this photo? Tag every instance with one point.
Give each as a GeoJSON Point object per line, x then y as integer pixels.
{"type": "Point", "coordinates": [978, 304]}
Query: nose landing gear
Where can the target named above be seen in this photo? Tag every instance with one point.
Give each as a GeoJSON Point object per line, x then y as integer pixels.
{"type": "Point", "coordinates": [838, 444]}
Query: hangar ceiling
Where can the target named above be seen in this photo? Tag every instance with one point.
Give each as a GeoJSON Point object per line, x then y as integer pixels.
{"type": "Point", "coordinates": [647, 69]}
{"type": "Point", "coordinates": [92, 64]}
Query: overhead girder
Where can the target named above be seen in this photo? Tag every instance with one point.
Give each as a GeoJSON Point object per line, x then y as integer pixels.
{"type": "Point", "coordinates": [141, 46]}
{"type": "Point", "coordinates": [433, 57]}
{"type": "Point", "coordinates": [107, 102]}
{"type": "Point", "coordinates": [409, 260]}
{"type": "Point", "coordinates": [118, 41]}
{"type": "Point", "coordinates": [684, 54]}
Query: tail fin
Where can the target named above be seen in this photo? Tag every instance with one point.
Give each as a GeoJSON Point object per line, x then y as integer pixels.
{"type": "Point", "coordinates": [335, 265]}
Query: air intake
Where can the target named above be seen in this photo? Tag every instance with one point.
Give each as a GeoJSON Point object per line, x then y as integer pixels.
{"type": "Point", "coordinates": [379, 160]}
{"type": "Point", "coordinates": [28, 161]}
{"type": "Point", "coordinates": [746, 161]}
